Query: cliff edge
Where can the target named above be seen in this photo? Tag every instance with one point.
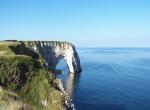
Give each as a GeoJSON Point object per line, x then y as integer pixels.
{"type": "Point", "coordinates": [53, 51]}
{"type": "Point", "coordinates": [25, 80]}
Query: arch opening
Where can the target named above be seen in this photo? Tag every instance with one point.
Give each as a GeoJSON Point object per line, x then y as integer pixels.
{"type": "Point", "coordinates": [62, 66]}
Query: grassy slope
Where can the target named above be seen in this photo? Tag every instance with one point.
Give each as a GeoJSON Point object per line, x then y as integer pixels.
{"type": "Point", "coordinates": [28, 78]}
{"type": "Point", "coordinates": [11, 101]}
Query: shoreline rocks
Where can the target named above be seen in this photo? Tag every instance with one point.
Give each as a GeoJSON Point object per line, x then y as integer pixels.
{"type": "Point", "coordinates": [68, 101]}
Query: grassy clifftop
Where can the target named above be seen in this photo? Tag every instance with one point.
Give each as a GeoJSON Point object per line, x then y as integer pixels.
{"type": "Point", "coordinates": [23, 73]}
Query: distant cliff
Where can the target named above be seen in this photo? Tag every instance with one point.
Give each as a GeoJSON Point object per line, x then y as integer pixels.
{"type": "Point", "coordinates": [25, 81]}
{"type": "Point", "coordinates": [53, 51]}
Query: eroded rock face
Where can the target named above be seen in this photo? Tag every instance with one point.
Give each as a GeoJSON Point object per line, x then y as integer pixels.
{"type": "Point", "coordinates": [52, 52]}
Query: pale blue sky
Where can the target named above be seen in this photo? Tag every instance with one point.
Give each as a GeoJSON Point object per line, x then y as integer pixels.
{"type": "Point", "coordinates": [83, 22]}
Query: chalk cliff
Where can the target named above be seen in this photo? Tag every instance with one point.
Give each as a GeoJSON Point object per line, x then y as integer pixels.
{"type": "Point", "coordinates": [24, 79]}
{"type": "Point", "coordinates": [53, 51]}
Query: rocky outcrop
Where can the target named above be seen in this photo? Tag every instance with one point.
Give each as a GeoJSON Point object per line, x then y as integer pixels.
{"type": "Point", "coordinates": [25, 82]}
{"type": "Point", "coordinates": [52, 52]}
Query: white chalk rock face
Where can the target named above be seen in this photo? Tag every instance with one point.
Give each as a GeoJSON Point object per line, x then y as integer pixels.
{"type": "Point", "coordinates": [52, 52]}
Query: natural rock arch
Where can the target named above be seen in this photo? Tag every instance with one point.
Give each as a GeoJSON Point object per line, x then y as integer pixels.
{"type": "Point", "coordinates": [52, 52]}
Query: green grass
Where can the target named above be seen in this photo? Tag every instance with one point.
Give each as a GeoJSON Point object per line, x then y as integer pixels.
{"type": "Point", "coordinates": [27, 77]}
{"type": "Point", "coordinates": [4, 48]}
{"type": "Point", "coordinates": [11, 101]}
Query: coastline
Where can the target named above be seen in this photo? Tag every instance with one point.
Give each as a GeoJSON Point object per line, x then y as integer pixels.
{"type": "Point", "coordinates": [29, 77]}
{"type": "Point", "coordinates": [67, 99]}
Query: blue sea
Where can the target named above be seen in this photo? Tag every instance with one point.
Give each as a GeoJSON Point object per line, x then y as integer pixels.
{"type": "Point", "coordinates": [112, 79]}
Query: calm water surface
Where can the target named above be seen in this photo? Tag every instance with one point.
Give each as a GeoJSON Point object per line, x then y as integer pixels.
{"type": "Point", "coordinates": [112, 79]}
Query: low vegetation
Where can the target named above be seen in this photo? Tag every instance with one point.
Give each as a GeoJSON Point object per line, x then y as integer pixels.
{"type": "Point", "coordinates": [25, 83]}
